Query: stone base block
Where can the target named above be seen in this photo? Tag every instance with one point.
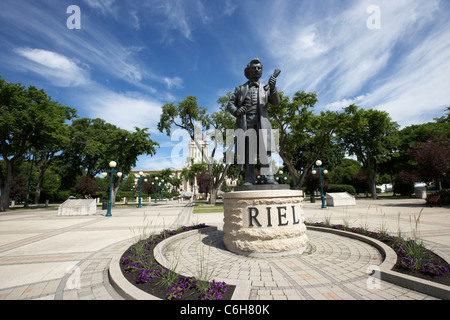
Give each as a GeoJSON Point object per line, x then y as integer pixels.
{"type": "Point", "coordinates": [78, 207]}
{"type": "Point", "coordinates": [340, 199]}
{"type": "Point", "coordinates": [264, 222]}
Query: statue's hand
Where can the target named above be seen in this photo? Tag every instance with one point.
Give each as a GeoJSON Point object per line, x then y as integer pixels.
{"type": "Point", "coordinates": [272, 82]}
{"type": "Point", "coordinates": [241, 111]}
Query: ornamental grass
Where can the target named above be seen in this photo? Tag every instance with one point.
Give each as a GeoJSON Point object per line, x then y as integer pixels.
{"type": "Point", "coordinates": [139, 258]}
{"type": "Point", "coordinates": [411, 254]}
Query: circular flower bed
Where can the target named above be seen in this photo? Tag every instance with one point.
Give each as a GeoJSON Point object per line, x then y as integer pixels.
{"type": "Point", "coordinates": [140, 267]}
{"type": "Point", "coordinates": [412, 257]}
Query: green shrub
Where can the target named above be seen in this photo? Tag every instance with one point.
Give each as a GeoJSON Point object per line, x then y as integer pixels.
{"type": "Point", "coordinates": [342, 188]}
{"type": "Point", "coordinates": [63, 195]}
{"type": "Point", "coordinates": [404, 184]}
{"type": "Point", "coordinates": [445, 197]}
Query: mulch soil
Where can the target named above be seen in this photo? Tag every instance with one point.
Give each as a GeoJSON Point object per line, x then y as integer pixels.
{"type": "Point", "coordinates": [154, 288]}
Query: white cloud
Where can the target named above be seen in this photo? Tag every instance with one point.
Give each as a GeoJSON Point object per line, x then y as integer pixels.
{"type": "Point", "coordinates": [418, 92]}
{"type": "Point", "coordinates": [340, 49]}
{"type": "Point", "coordinates": [175, 82]}
{"type": "Point", "coordinates": [173, 152]}
{"type": "Point", "coordinates": [107, 7]}
{"type": "Point", "coordinates": [177, 18]}
{"type": "Point", "coordinates": [229, 8]}
{"type": "Point", "coordinates": [403, 67]}
{"type": "Point", "coordinates": [125, 110]}
{"type": "Point", "coordinates": [159, 162]}
{"type": "Point", "coordinates": [338, 105]}
{"type": "Point", "coordinates": [60, 70]}
{"type": "Point", "coordinates": [94, 44]}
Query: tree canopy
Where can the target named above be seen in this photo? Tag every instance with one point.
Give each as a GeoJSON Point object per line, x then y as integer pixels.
{"type": "Point", "coordinates": [371, 136]}
{"type": "Point", "coordinates": [43, 139]}
{"type": "Point", "coordinates": [303, 135]}
{"type": "Point", "coordinates": [29, 120]}
{"type": "Point", "coordinates": [34, 127]}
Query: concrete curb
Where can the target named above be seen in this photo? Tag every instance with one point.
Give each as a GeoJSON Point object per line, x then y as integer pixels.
{"type": "Point", "coordinates": [390, 259]}
{"type": "Point", "coordinates": [243, 287]}
{"type": "Point", "coordinates": [126, 289]}
{"type": "Point", "coordinates": [130, 292]}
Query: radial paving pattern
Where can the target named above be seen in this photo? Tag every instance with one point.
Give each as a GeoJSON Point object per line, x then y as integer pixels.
{"type": "Point", "coordinates": [333, 267]}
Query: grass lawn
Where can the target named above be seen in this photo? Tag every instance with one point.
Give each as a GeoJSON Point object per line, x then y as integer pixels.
{"type": "Point", "coordinates": [205, 208]}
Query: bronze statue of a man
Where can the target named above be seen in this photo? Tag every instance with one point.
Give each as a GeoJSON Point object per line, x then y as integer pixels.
{"type": "Point", "coordinates": [249, 105]}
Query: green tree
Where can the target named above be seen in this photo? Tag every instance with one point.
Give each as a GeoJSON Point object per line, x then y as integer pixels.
{"type": "Point", "coordinates": [404, 184]}
{"type": "Point", "coordinates": [444, 119]}
{"type": "Point", "coordinates": [433, 159]}
{"type": "Point", "coordinates": [344, 172]}
{"type": "Point", "coordinates": [190, 172]}
{"type": "Point", "coordinates": [94, 143]}
{"type": "Point", "coordinates": [409, 138]}
{"type": "Point", "coordinates": [86, 187]}
{"type": "Point", "coordinates": [29, 120]}
{"type": "Point", "coordinates": [371, 136]}
{"type": "Point", "coordinates": [303, 136]}
{"type": "Point", "coordinates": [46, 156]}
{"type": "Point", "coordinates": [192, 118]}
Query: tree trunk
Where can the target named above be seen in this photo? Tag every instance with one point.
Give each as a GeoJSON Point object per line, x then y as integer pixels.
{"type": "Point", "coordinates": [373, 188]}
{"type": "Point", "coordinates": [6, 187]}
{"type": "Point", "coordinates": [215, 183]}
{"type": "Point", "coordinates": [212, 191]}
{"type": "Point", "coordinates": [212, 196]}
{"type": "Point", "coordinates": [303, 176]}
{"type": "Point", "coordinates": [42, 167]}
{"type": "Point", "coordinates": [39, 186]}
{"type": "Point", "coordinates": [373, 183]}
{"type": "Point", "coordinates": [291, 169]}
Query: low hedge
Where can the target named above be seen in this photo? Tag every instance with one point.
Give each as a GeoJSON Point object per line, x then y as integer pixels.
{"type": "Point", "coordinates": [445, 196]}
{"type": "Point", "coordinates": [341, 188]}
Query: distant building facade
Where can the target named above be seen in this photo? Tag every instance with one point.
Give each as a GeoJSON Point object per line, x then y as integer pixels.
{"type": "Point", "coordinates": [197, 152]}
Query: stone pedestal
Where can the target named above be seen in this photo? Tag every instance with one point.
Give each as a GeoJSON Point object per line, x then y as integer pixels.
{"type": "Point", "coordinates": [77, 207]}
{"type": "Point", "coordinates": [340, 199]}
{"type": "Point", "coordinates": [267, 222]}
{"type": "Point", "coordinates": [421, 192]}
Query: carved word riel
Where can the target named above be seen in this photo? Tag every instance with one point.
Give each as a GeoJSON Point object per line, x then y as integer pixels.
{"type": "Point", "coordinates": [283, 220]}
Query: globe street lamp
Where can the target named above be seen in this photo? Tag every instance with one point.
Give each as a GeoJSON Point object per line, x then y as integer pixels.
{"type": "Point", "coordinates": [325, 171]}
{"type": "Point", "coordinates": [259, 180]}
{"type": "Point", "coordinates": [141, 177]}
{"type": "Point", "coordinates": [155, 182]}
{"type": "Point", "coordinates": [281, 177]}
{"type": "Point", "coordinates": [162, 189]}
{"type": "Point", "coordinates": [111, 171]}
{"type": "Point", "coordinates": [169, 184]}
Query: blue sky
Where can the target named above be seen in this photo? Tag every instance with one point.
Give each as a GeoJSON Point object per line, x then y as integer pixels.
{"type": "Point", "coordinates": [129, 57]}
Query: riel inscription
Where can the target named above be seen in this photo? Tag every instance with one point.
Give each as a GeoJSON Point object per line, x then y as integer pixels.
{"type": "Point", "coordinates": [280, 215]}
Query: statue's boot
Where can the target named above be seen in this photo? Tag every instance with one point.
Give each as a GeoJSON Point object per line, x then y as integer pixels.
{"type": "Point", "coordinates": [250, 175]}
{"type": "Point", "coordinates": [269, 180]}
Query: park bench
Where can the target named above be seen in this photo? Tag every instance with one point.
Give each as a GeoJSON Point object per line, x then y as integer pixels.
{"type": "Point", "coordinates": [433, 199]}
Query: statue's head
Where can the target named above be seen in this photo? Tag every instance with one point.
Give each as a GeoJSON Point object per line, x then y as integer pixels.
{"type": "Point", "coordinates": [254, 69]}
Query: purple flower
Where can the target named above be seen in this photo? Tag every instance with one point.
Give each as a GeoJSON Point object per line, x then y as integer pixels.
{"type": "Point", "coordinates": [144, 276]}
{"type": "Point", "coordinates": [214, 292]}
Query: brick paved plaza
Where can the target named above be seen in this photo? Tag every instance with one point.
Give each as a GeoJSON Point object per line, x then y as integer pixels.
{"type": "Point", "coordinates": [43, 256]}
